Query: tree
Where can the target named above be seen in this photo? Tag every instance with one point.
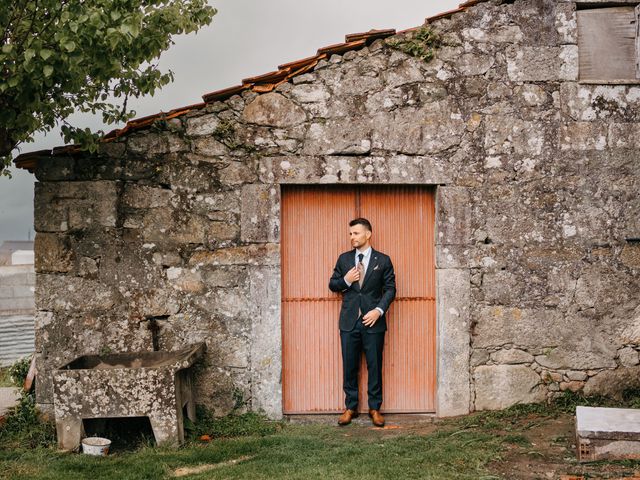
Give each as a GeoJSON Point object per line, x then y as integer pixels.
{"type": "Point", "coordinates": [61, 56]}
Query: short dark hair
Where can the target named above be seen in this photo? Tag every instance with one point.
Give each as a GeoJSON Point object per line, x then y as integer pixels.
{"type": "Point", "coordinates": [361, 221]}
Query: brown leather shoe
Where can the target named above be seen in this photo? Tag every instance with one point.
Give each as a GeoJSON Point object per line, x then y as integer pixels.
{"type": "Point", "coordinates": [347, 415]}
{"type": "Point", "coordinates": [376, 418]}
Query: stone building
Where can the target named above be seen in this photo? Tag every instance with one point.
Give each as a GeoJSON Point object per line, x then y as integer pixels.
{"type": "Point", "coordinates": [172, 233]}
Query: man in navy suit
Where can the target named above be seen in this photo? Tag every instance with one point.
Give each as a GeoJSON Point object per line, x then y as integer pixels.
{"type": "Point", "coordinates": [366, 279]}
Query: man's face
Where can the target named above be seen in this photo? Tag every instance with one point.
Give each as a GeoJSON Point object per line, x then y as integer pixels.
{"type": "Point", "coordinates": [359, 236]}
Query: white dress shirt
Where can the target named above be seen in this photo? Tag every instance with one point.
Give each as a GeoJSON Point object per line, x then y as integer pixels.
{"type": "Point", "coordinates": [365, 262]}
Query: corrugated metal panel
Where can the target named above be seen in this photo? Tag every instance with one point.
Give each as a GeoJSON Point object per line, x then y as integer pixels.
{"type": "Point", "coordinates": [17, 338]}
{"type": "Point", "coordinates": [314, 232]}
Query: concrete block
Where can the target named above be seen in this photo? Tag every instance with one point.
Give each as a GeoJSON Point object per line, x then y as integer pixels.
{"type": "Point", "coordinates": [607, 433]}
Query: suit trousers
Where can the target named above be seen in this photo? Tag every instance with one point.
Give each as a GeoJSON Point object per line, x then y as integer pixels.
{"type": "Point", "coordinates": [353, 344]}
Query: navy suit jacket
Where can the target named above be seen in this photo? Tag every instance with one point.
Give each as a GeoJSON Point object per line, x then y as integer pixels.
{"type": "Point", "coordinates": [378, 289]}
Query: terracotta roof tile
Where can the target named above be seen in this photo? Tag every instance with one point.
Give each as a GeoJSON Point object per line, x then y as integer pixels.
{"type": "Point", "coordinates": [224, 93]}
{"type": "Point", "coordinates": [444, 14]}
{"type": "Point", "coordinates": [369, 36]}
{"type": "Point", "coordinates": [341, 47]}
{"type": "Point", "coordinates": [270, 77]}
{"type": "Point", "coordinates": [260, 84]}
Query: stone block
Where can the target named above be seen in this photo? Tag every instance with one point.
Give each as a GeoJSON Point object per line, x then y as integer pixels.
{"type": "Point", "coordinates": [511, 356]}
{"type": "Point", "coordinates": [260, 213]}
{"type": "Point", "coordinates": [61, 206]}
{"type": "Point", "coordinates": [624, 135]}
{"type": "Point", "coordinates": [209, 147]}
{"type": "Point", "coordinates": [496, 326]}
{"type": "Point", "coordinates": [566, 23]}
{"type": "Point", "coordinates": [583, 136]}
{"type": "Point", "coordinates": [142, 196]}
{"type": "Point", "coordinates": [338, 136]}
{"type": "Point", "coordinates": [237, 173]}
{"type": "Point", "coordinates": [452, 256]}
{"type": "Point", "coordinates": [430, 129]}
{"type": "Point", "coordinates": [66, 293]}
{"type": "Point", "coordinates": [150, 144]}
{"type": "Point", "coordinates": [202, 125]}
{"type": "Point", "coordinates": [628, 357]}
{"type": "Point", "coordinates": [275, 110]}
{"type": "Point", "coordinates": [630, 255]}
{"type": "Point", "coordinates": [501, 386]}
{"type": "Point", "coordinates": [453, 216]}
{"type": "Point", "coordinates": [266, 343]}
{"type": "Point", "coordinates": [539, 64]}
{"type": "Point", "coordinates": [53, 253]}
{"type": "Point", "coordinates": [453, 394]}
{"type": "Point", "coordinates": [253, 254]}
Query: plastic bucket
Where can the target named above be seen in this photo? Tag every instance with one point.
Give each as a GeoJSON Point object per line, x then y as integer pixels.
{"type": "Point", "coordinates": [97, 446]}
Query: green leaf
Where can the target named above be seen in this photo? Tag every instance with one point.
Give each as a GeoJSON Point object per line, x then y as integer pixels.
{"type": "Point", "coordinates": [7, 47]}
{"type": "Point", "coordinates": [45, 53]}
{"type": "Point", "coordinates": [29, 53]}
{"type": "Point", "coordinates": [47, 70]}
{"type": "Point", "coordinates": [69, 46]}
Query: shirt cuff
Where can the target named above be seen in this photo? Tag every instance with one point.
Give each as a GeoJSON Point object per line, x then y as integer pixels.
{"type": "Point", "coordinates": [380, 310]}
{"type": "Point", "coordinates": [347, 282]}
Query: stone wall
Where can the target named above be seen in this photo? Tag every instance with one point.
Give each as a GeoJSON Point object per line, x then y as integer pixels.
{"type": "Point", "coordinates": [171, 236]}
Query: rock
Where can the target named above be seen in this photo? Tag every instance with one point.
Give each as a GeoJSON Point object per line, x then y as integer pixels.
{"type": "Point", "coordinates": [273, 109]}
{"type": "Point", "coordinates": [577, 375]}
{"type": "Point", "coordinates": [53, 253]}
{"type": "Point", "coordinates": [612, 383]}
{"type": "Point", "coordinates": [574, 386]}
{"type": "Point", "coordinates": [628, 357]}
{"type": "Point", "coordinates": [500, 386]}
{"type": "Point", "coordinates": [511, 356]}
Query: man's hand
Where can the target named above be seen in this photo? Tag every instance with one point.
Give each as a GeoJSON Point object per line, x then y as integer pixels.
{"type": "Point", "coordinates": [352, 275]}
{"type": "Point", "coordinates": [371, 317]}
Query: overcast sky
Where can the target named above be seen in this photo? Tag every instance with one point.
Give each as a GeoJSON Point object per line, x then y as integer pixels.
{"type": "Point", "coordinates": [246, 38]}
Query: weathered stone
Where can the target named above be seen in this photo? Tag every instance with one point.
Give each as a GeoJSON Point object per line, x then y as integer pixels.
{"type": "Point", "coordinates": [573, 386]}
{"type": "Point", "coordinates": [630, 255]}
{"type": "Point", "coordinates": [149, 144]}
{"type": "Point", "coordinates": [613, 383]}
{"type": "Point", "coordinates": [535, 64]}
{"type": "Point", "coordinates": [453, 226]}
{"type": "Point", "coordinates": [583, 136]}
{"type": "Point", "coordinates": [202, 125]}
{"type": "Point", "coordinates": [420, 131]}
{"type": "Point", "coordinates": [254, 254]}
{"type": "Point", "coordinates": [453, 334]}
{"type": "Point", "coordinates": [52, 253]}
{"type": "Point", "coordinates": [500, 386]}
{"type": "Point", "coordinates": [272, 109]}
{"type": "Point", "coordinates": [79, 205]}
{"type": "Point", "coordinates": [141, 196]}
{"type": "Point", "coordinates": [339, 136]}
{"type": "Point", "coordinates": [577, 375]}
{"type": "Point", "coordinates": [512, 355]}
{"type": "Point", "coordinates": [260, 213]}
{"type": "Point", "coordinates": [628, 357]}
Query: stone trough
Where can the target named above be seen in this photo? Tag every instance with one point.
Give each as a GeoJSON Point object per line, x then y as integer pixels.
{"type": "Point", "coordinates": [607, 433]}
{"type": "Point", "coordinates": [157, 385]}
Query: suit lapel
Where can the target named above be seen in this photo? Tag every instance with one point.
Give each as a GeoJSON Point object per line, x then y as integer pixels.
{"type": "Point", "coordinates": [373, 262]}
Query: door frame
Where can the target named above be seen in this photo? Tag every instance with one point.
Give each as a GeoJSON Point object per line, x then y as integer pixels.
{"type": "Point", "coordinates": [453, 289]}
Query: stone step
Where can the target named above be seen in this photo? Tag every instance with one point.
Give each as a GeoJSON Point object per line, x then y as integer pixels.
{"type": "Point", "coordinates": [607, 433]}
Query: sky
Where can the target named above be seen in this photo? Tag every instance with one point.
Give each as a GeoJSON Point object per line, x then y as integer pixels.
{"type": "Point", "coordinates": [245, 39]}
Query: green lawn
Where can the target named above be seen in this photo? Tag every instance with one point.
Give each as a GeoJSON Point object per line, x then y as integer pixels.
{"type": "Point", "coordinates": [508, 444]}
{"type": "Point", "coordinates": [295, 452]}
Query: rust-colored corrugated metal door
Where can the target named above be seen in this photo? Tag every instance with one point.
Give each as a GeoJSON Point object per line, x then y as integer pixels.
{"type": "Point", "coordinates": [314, 226]}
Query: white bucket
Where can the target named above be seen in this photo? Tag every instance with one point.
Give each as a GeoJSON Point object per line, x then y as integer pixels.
{"type": "Point", "coordinates": [96, 446]}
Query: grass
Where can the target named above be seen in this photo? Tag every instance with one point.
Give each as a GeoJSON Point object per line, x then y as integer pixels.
{"type": "Point", "coordinates": [250, 446]}
{"type": "Point", "coordinates": [5, 378]}
{"type": "Point", "coordinates": [294, 452]}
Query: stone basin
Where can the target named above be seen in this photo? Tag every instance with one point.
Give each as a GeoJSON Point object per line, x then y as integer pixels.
{"type": "Point", "coordinates": [157, 385]}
